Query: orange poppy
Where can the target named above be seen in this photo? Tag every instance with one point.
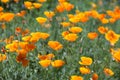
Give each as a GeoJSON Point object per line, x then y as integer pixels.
{"type": "Point", "coordinates": [92, 35]}
{"type": "Point", "coordinates": [55, 45]}
{"type": "Point", "coordinates": [57, 63]}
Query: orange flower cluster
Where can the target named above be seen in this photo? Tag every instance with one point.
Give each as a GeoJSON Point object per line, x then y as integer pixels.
{"type": "Point", "coordinates": [64, 6]}
{"type": "Point", "coordinates": [84, 16]}
{"type": "Point", "coordinates": [7, 17]}
{"type": "Point", "coordinates": [22, 48]}
{"type": "Point", "coordinates": [78, 17]}
{"type": "Point", "coordinates": [35, 36]}
{"type": "Point", "coordinates": [71, 35]}
{"type": "Point", "coordinates": [84, 69]}
{"type": "Point", "coordinates": [86, 61]}
{"type": "Point", "coordinates": [46, 60]}
{"type": "Point", "coordinates": [30, 5]}
{"type": "Point", "coordinates": [114, 15]}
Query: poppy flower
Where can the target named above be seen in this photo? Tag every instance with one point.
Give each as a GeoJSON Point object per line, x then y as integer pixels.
{"type": "Point", "coordinates": [85, 61]}
{"type": "Point", "coordinates": [65, 24]}
{"type": "Point", "coordinates": [46, 57]}
{"type": "Point", "coordinates": [55, 45]}
{"type": "Point", "coordinates": [37, 5]}
{"type": "Point", "coordinates": [4, 1]}
{"type": "Point", "coordinates": [102, 29]}
{"type": "Point", "coordinates": [108, 72]}
{"type": "Point", "coordinates": [45, 63]}
{"type": "Point", "coordinates": [84, 70]}
{"type": "Point", "coordinates": [57, 63]}
{"type": "Point", "coordinates": [41, 20]}
{"type": "Point", "coordinates": [75, 29]}
{"type": "Point", "coordinates": [75, 77]}
{"type": "Point", "coordinates": [49, 14]}
{"type": "Point", "coordinates": [3, 57]}
{"type": "Point", "coordinates": [71, 37]}
{"type": "Point", "coordinates": [112, 37]}
{"type": "Point", "coordinates": [92, 35]}
{"type": "Point", "coordinates": [95, 76]}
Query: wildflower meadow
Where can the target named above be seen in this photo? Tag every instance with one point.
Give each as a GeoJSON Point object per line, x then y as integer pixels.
{"type": "Point", "coordinates": [59, 40]}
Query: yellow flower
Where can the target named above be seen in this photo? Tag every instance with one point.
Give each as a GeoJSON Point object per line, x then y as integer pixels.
{"type": "Point", "coordinates": [44, 35]}
{"type": "Point", "coordinates": [116, 54]}
{"type": "Point", "coordinates": [64, 6]}
{"type": "Point", "coordinates": [41, 1]}
{"type": "Point", "coordinates": [12, 46]}
{"type": "Point", "coordinates": [112, 37]}
{"type": "Point", "coordinates": [3, 57]}
{"type": "Point", "coordinates": [105, 21]}
{"type": "Point", "coordinates": [37, 5]}
{"type": "Point", "coordinates": [74, 20]}
{"type": "Point", "coordinates": [57, 63]}
{"type": "Point", "coordinates": [4, 1]}
{"type": "Point", "coordinates": [75, 29]}
{"type": "Point", "coordinates": [55, 45]}
{"type": "Point", "coordinates": [92, 35]}
{"type": "Point", "coordinates": [41, 20]}
{"type": "Point", "coordinates": [28, 4]}
{"type": "Point", "coordinates": [35, 36]}
{"type": "Point", "coordinates": [71, 37]}
{"type": "Point", "coordinates": [26, 38]}
{"type": "Point", "coordinates": [49, 14]}
{"type": "Point", "coordinates": [45, 63]}
{"type": "Point", "coordinates": [65, 24]}
{"type": "Point", "coordinates": [85, 61]}
{"type": "Point", "coordinates": [75, 77]}
{"type": "Point", "coordinates": [108, 72]}
{"type": "Point", "coordinates": [84, 70]}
